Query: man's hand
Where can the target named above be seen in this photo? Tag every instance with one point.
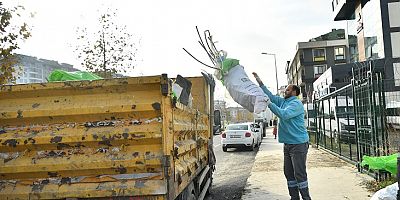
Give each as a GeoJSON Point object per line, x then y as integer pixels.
{"type": "Point", "coordinates": [258, 79]}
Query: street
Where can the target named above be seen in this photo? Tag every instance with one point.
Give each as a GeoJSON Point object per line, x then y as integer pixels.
{"type": "Point", "coordinates": [232, 170]}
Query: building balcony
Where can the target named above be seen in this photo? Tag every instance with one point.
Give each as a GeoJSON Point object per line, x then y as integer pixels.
{"type": "Point", "coordinates": [343, 9]}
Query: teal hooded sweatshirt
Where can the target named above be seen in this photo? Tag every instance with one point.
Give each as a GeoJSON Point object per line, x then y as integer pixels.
{"type": "Point", "coordinates": [290, 111]}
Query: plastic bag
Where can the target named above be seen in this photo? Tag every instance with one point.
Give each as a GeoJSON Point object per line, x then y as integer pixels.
{"type": "Point", "coordinates": [387, 193]}
{"type": "Point", "coordinates": [243, 91]}
{"type": "Point", "coordinates": [388, 163]}
{"type": "Point", "coordinates": [61, 75]}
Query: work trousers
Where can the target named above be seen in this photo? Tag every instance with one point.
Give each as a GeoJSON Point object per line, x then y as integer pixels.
{"type": "Point", "coordinates": [295, 157]}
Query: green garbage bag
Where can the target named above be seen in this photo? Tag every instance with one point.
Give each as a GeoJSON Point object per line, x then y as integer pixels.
{"type": "Point", "coordinates": [61, 75]}
{"type": "Point", "coordinates": [387, 163]}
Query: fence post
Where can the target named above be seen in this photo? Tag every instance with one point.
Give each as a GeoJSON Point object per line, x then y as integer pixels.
{"type": "Point", "coordinates": [355, 108]}
{"type": "Point", "coordinates": [338, 131]}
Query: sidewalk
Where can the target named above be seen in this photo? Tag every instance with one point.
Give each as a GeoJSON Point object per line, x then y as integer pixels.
{"type": "Point", "coordinates": [328, 176]}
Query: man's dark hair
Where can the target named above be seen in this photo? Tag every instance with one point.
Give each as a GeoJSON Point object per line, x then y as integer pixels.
{"type": "Point", "coordinates": [297, 89]}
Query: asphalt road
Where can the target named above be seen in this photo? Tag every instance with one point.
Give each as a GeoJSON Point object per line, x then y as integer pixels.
{"type": "Point", "coordinates": [232, 170]}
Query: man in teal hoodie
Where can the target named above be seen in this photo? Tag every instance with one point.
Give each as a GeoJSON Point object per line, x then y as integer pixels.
{"type": "Point", "coordinates": [293, 134]}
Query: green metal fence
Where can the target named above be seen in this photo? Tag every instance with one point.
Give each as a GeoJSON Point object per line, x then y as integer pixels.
{"type": "Point", "coordinates": [362, 118]}
{"type": "Point", "coordinates": [335, 123]}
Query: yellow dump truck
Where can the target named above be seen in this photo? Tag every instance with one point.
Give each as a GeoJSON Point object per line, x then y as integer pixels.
{"type": "Point", "coordinates": [126, 138]}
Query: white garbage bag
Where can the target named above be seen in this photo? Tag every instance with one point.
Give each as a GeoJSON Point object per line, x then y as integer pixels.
{"type": "Point", "coordinates": [244, 92]}
{"type": "Point", "coordinates": [387, 193]}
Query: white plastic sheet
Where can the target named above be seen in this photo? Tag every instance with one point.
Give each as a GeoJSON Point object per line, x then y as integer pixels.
{"type": "Point", "coordinates": [387, 193]}
{"type": "Point", "coordinates": [243, 91]}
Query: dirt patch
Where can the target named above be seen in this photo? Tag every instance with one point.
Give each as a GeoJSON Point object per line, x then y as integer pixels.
{"type": "Point", "coordinates": [319, 158]}
{"type": "Point", "coordinates": [273, 160]}
{"type": "Point", "coordinates": [269, 163]}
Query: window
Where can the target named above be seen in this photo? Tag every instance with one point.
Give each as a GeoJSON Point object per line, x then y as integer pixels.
{"type": "Point", "coordinates": [319, 54]}
{"type": "Point", "coordinates": [339, 53]}
{"type": "Point", "coordinates": [301, 55]}
{"type": "Point", "coordinates": [394, 14]}
{"type": "Point", "coordinates": [319, 69]}
{"type": "Point", "coordinates": [396, 70]}
{"type": "Point", "coordinates": [237, 127]}
{"type": "Point", "coordinates": [395, 44]}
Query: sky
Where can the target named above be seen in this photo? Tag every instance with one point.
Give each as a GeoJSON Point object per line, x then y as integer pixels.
{"type": "Point", "coordinates": [244, 29]}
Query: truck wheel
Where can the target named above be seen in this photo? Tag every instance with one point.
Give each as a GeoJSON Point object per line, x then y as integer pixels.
{"type": "Point", "coordinates": [190, 192]}
{"type": "Point", "coordinates": [209, 187]}
{"type": "Point", "coordinates": [224, 149]}
{"type": "Point", "coordinates": [192, 197]}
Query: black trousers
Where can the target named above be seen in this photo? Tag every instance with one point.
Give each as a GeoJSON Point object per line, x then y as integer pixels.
{"type": "Point", "coordinates": [295, 157]}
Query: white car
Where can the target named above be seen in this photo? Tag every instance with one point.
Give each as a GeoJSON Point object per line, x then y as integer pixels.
{"type": "Point", "coordinates": [240, 135]}
{"type": "Point", "coordinates": [259, 130]}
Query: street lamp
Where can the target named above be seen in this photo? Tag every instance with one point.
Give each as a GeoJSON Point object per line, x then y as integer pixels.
{"type": "Point", "coordinates": [276, 71]}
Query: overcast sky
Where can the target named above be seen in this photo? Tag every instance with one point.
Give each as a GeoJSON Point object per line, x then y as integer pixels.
{"type": "Point", "coordinates": [244, 29]}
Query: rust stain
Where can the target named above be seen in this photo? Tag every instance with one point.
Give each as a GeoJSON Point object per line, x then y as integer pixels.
{"type": "Point", "coordinates": [37, 187]}
{"type": "Point", "coordinates": [19, 116]}
{"type": "Point", "coordinates": [121, 169]}
{"type": "Point", "coordinates": [139, 162]}
{"type": "Point", "coordinates": [139, 184]}
{"type": "Point", "coordinates": [56, 139]}
{"type": "Point", "coordinates": [52, 174]}
{"type": "Point", "coordinates": [10, 142]}
{"type": "Point", "coordinates": [65, 180]}
{"type": "Point", "coordinates": [125, 135]}
{"type": "Point", "coordinates": [30, 140]}
{"type": "Point", "coordinates": [105, 141]}
{"type": "Point", "coordinates": [156, 106]}
{"type": "Point", "coordinates": [61, 146]}
{"type": "Point", "coordinates": [35, 105]}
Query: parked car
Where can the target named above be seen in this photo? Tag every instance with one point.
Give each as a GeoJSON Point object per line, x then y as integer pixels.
{"type": "Point", "coordinates": [258, 129]}
{"type": "Point", "coordinates": [240, 135]}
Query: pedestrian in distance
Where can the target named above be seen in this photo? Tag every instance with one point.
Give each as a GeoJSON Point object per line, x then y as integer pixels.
{"type": "Point", "coordinates": [275, 129]}
{"type": "Point", "coordinates": [293, 134]}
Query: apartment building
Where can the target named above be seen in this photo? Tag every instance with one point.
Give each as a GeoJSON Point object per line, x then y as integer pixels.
{"type": "Point", "coordinates": [314, 57]}
{"type": "Point", "coordinates": [33, 70]}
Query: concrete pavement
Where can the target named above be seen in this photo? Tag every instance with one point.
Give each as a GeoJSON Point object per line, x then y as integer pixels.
{"type": "Point", "coordinates": [328, 176]}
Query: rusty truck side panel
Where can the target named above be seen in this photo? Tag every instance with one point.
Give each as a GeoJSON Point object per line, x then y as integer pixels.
{"type": "Point", "coordinates": [104, 138]}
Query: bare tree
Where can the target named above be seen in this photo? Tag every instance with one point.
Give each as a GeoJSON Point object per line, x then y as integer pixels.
{"type": "Point", "coordinates": [109, 49]}
{"type": "Point", "coordinates": [12, 34]}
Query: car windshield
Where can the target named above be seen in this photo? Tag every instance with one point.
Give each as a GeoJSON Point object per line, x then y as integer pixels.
{"type": "Point", "coordinates": [237, 127]}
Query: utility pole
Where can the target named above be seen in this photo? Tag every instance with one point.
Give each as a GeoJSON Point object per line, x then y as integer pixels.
{"type": "Point", "coordinates": [276, 70]}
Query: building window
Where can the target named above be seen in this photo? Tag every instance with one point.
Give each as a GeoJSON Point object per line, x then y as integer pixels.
{"type": "Point", "coordinates": [396, 70]}
{"type": "Point", "coordinates": [301, 55]}
{"type": "Point", "coordinates": [394, 14]}
{"type": "Point", "coordinates": [339, 53]}
{"type": "Point", "coordinates": [395, 44]}
{"type": "Point", "coordinates": [319, 54]}
{"type": "Point", "coordinates": [319, 69]}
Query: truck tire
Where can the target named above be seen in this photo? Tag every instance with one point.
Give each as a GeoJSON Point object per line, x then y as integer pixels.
{"type": "Point", "coordinates": [209, 187]}
{"type": "Point", "coordinates": [224, 149]}
{"type": "Point", "coordinates": [192, 197]}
